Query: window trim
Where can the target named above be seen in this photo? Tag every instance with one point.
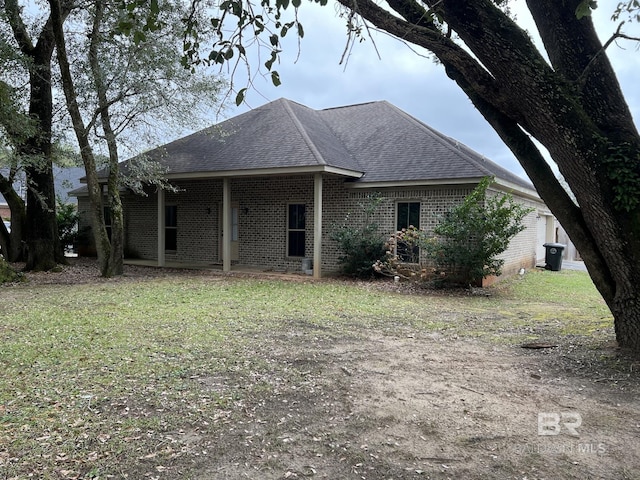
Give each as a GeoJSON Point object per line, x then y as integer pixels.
{"type": "Point", "coordinates": [417, 253]}
{"type": "Point", "coordinates": [289, 230]}
{"type": "Point", "coordinates": [170, 227]}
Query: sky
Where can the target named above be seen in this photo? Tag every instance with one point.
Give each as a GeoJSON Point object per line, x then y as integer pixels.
{"type": "Point", "coordinates": [313, 76]}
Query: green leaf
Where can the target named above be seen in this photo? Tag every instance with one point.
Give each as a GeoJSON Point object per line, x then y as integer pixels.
{"type": "Point", "coordinates": [139, 36]}
{"type": "Point", "coordinates": [269, 63]}
{"type": "Point", "coordinates": [240, 96]}
{"type": "Point", "coordinates": [585, 7]}
{"type": "Point", "coordinates": [216, 57]}
{"type": "Point", "coordinates": [275, 78]}
{"type": "Point", "coordinates": [125, 27]}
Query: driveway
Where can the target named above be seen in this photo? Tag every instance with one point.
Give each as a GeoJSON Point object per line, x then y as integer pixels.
{"type": "Point", "coordinates": [574, 265]}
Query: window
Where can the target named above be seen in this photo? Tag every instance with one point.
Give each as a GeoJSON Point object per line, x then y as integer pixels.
{"type": "Point", "coordinates": [296, 230]}
{"type": "Point", "coordinates": [171, 227]}
{"type": "Point", "coordinates": [408, 215]}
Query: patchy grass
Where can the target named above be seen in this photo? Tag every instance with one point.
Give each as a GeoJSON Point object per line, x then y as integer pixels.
{"type": "Point", "coordinates": [120, 379]}
{"type": "Point", "coordinates": [562, 303]}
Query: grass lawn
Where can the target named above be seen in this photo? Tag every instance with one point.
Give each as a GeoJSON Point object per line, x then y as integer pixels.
{"type": "Point", "coordinates": [160, 377]}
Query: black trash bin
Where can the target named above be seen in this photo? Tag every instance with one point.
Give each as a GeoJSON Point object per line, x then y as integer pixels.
{"type": "Point", "coordinates": [553, 256]}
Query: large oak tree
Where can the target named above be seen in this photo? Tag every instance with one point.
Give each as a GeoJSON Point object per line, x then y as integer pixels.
{"type": "Point", "coordinates": [564, 95]}
{"type": "Point", "coordinates": [568, 98]}
{"type": "Point", "coordinates": [35, 149]}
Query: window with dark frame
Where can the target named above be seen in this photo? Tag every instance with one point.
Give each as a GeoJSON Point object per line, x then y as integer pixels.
{"type": "Point", "coordinates": [408, 215]}
{"type": "Point", "coordinates": [171, 227]}
{"type": "Point", "coordinates": [296, 223]}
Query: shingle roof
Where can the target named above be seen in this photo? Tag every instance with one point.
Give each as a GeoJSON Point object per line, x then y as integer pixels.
{"type": "Point", "coordinates": [393, 146]}
{"type": "Point", "coordinates": [376, 141]}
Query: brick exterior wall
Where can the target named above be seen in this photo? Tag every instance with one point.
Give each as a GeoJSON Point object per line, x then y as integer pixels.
{"type": "Point", "coordinates": [523, 247]}
{"type": "Point", "coordinates": [262, 222]}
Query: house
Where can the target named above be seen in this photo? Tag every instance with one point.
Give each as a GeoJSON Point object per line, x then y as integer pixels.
{"type": "Point", "coordinates": [264, 189]}
{"type": "Point", "coordinates": [65, 180]}
{"type": "Point", "coordinates": [5, 211]}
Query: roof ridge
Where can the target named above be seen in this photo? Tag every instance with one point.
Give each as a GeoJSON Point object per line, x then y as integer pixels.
{"type": "Point", "coordinates": [466, 152]}
{"type": "Point", "coordinates": [352, 105]}
{"type": "Point", "coordinates": [444, 140]}
{"type": "Point", "coordinates": [303, 131]}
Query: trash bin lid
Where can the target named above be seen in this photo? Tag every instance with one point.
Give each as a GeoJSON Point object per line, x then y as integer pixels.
{"type": "Point", "coordinates": [555, 245]}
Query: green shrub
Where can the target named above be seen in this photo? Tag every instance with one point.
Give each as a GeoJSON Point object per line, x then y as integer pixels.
{"type": "Point", "coordinates": [465, 243]}
{"type": "Point", "coordinates": [361, 246]}
{"type": "Point", "coordinates": [471, 236]}
{"type": "Point", "coordinates": [67, 218]}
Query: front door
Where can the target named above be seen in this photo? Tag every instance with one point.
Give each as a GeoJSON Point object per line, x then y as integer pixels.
{"type": "Point", "coordinates": [234, 232]}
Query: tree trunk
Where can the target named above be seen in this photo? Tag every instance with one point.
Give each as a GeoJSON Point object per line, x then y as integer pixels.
{"type": "Point", "coordinates": [626, 312]}
{"type": "Point", "coordinates": [13, 243]}
{"type": "Point", "coordinates": [42, 231]}
{"type": "Point", "coordinates": [115, 264]}
{"type": "Point", "coordinates": [41, 228]}
{"type": "Point", "coordinates": [96, 210]}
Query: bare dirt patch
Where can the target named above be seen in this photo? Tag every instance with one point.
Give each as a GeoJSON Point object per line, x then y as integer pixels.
{"type": "Point", "coordinates": [402, 404]}
{"type": "Point", "coordinates": [390, 407]}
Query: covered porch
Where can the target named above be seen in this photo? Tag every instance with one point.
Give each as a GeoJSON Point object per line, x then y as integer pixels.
{"type": "Point", "coordinates": [227, 260]}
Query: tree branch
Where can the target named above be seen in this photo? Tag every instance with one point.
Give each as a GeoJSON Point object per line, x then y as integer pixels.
{"type": "Point", "coordinates": [445, 49]}
{"type": "Point", "coordinates": [582, 79]}
{"type": "Point", "coordinates": [17, 26]}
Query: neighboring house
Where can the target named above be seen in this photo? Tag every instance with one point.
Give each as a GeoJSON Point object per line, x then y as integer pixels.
{"type": "Point", "coordinates": [65, 179]}
{"type": "Point", "coordinates": [266, 188]}
{"type": "Point", "coordinates": [5, 211]}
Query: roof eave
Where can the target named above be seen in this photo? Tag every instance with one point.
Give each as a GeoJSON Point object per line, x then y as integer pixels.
{"type": "Point", "coordinates": [510, 187]}
{"type": "Point", "coordinates": [260, 172]}
{"type": "Point", "coordinates": [415, 183]}
{"type": "Point", "coordinates": [499, 183]}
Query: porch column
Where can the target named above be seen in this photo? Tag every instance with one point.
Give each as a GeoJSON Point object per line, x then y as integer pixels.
{"type": "Point", "coordinates": [161, 227]}
{"type": "Point", "coordinates": [317, 225]}
{"type": "Point", "coordinates": [226, 225]}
